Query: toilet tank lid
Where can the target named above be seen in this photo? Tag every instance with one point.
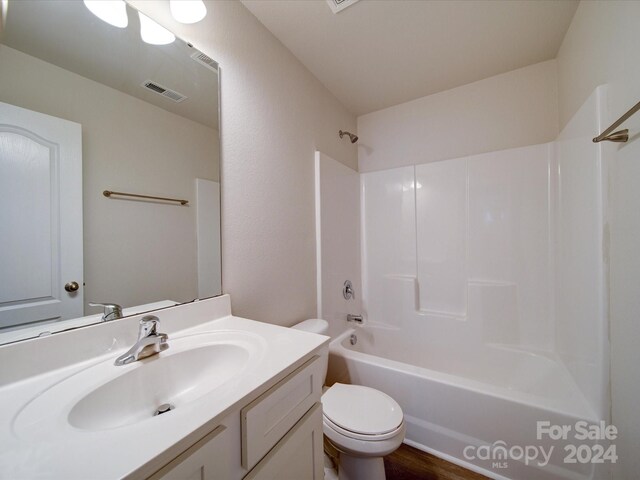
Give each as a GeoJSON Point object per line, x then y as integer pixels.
{"type": "Point", "coordinates": [313, 325]}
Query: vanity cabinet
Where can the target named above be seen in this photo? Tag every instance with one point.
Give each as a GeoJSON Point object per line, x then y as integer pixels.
{"type": "Point", "coordinates": [207, 459]}
{"type": "Point", "coordinates": [275, 435]}
{"type": "Point", "coordinates": [298, 455]}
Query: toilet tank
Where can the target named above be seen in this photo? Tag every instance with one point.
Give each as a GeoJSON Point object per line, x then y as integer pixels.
{"type": "Point", "coordinates": [319, 326]}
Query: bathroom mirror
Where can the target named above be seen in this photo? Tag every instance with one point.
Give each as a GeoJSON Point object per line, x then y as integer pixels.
{"type": "Point", "coordinates": [88, 107]}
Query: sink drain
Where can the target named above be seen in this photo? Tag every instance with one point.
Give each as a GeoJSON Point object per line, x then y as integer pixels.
{"type": "Point", "coordinates": [164, 408]}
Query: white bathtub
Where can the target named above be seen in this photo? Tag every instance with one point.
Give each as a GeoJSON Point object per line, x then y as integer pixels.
{"type": "Point", "coordinates": [454, 404]}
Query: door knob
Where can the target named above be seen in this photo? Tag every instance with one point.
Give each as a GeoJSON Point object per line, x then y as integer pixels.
{"type": "Point", "coordinates": [72, 287]}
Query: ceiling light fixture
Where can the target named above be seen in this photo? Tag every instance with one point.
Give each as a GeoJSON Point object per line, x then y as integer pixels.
{"type": "Point", "coordinates": [188, 11]}
{"type": "Point", "coordinates": [153, 33]}
{"type": "Point", "coordinates": [114, 12]}
{"type": "Point", "coordinates": [4, 7]}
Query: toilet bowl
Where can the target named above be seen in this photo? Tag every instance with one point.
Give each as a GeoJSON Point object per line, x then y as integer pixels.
{"type": "Point", "coordinates": [362, 423]}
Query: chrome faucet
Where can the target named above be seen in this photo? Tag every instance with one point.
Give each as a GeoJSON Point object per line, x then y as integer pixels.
{"type": "Point", "coordinates": [112, 311]}
{"type": "Point", "coordinates": [149, 343]}
{"type": "Point", "coordinates": [347, 290]}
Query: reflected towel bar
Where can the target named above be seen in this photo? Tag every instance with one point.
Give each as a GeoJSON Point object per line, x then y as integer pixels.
{"type": "Point", "coordinates": [109, 193]}
{"type": "Point", "coordinates": [620, 135]}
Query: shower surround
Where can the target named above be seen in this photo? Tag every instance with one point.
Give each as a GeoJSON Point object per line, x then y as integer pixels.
{"type": "Point", "coordinates": [485, 297]}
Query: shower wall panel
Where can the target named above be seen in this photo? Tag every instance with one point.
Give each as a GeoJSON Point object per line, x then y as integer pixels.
{"type": "Point", "coordinates": [462, 247]}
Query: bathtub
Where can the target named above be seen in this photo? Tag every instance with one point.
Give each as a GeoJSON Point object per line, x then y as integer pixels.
{"type": "Point", "coordinates": [478, 408]}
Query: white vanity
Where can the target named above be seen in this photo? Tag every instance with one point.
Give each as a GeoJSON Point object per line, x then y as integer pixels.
{"type": "Point", "coordinates": [244, 400]}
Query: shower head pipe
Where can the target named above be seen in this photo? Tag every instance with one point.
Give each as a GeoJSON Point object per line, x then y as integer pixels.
{"type": "Point", "coordinates": [352, 137]}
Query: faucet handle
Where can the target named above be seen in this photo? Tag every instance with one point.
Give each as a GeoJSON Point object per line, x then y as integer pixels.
{"type": "Point", "coordinates": [347, 290]}
{"type": "Point", "coordinates": [112, 311]}
{"type": "Point", "coordinates": [148, 326]}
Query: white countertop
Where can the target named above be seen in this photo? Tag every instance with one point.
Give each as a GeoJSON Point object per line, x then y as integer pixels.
{"type": "Point", "coordinates": [44, 329]}
{"type": "Point", "coordinates": [50, 447]}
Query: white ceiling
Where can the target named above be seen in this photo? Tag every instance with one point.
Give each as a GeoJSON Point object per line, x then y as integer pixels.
{"type": "Point", "coordinates": [379, 53]}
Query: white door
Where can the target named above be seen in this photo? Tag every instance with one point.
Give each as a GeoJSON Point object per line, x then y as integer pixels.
{"type": "Point", "coordinates": [40, 217]}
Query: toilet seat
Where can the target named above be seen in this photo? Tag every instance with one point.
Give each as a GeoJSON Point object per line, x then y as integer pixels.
{"type": "Point", "coordinates": [361, 412]}
{"type": "Point", "coordinates": [360, 436]}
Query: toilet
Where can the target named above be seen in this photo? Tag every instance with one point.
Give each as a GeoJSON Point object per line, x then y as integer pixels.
{"type": "Point", "coordinates": [362, 423]}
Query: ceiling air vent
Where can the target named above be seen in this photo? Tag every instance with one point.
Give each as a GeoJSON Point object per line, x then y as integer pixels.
{"type": "Point", "coordinates": [339, 5]}
{"type": "Point", "coordinates": [205, 60]}
{"type": "Point", "coordinates": [164, 91]}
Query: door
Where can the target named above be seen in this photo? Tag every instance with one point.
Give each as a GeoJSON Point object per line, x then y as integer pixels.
{"type": "Point", "coordinates": [40, 217]}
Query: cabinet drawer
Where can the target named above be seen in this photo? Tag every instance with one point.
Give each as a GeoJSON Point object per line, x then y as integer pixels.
{"type": "Point", "coordinates": [269, 417]}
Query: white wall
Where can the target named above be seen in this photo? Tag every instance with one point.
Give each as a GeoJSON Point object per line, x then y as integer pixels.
{"type": "Point", "coordinates": [600, 47]}
{"type": "Point", "coordinates": [208, 238]}
{"type": "Point", "coordinates": [388, 207]}
{"type": "Point", "coordinates": [581, 258]}
{"type": "Point", "coordinates": [461, 247]}
{"type": "Point", "coordinates": [514, 109]}
{"type": "Point", "coordinates": [275, 114]}
{"type": "Point", "coordinates": [135, 252]}
{"type": "Point", "coordinates": [338, 241]}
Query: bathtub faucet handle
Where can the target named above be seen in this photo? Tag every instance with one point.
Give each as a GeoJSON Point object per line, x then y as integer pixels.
{"type": "Point", "coordinates": [347, 290]}
{"type": "Point", "coordinates": [354, 318]}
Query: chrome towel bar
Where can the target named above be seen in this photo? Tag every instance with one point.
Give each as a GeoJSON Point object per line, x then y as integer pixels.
{"type": "Point", "coordinates": [109, 193]}
{"type": "Point", "coordinates": [620, 135]}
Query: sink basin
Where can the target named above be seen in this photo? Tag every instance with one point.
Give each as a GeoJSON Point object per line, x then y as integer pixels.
{"type": "Point", "coordinates": [104, 396]}
{"type": "Point", "coordinates": [174, 379]}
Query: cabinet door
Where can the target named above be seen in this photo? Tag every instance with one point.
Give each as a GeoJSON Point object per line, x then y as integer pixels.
{"type": "Point", "coordinates": [207, 459]}
{"type": "Point", "coordinates": [298, 456]}
{"type": "Point", "coordinates": [269, 417]}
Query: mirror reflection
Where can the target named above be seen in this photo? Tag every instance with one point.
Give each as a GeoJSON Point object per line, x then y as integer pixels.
{"type": "Point", "coordinates": [88, 107]}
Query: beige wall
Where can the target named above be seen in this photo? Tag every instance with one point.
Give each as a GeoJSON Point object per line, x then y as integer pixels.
{"type": "Point", "coordinates": [275, 114]}
{"type": "Point", "coordinates": [510, 110]}
{"type": "Point", "coordinates": [601, 47]}
{"type": "Point", "coordinates": [134, 252]}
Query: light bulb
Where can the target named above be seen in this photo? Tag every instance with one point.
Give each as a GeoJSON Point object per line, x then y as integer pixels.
{"type": "Point", "coordinates": [153, 33]}
{"type": "Point", "coordinates": [4, 7]}
{"type": "Point", "coordinates": [187, 11]}
{"type": "Point", "coordinates": [114, 12]}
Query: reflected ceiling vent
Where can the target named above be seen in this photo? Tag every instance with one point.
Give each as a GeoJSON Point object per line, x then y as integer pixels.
{"type": "Point", "coordinates": [164, 91]}
{"type": "Point", "coordinates": [339, 5]}
{"type": "Point", "coordinates": [205, 60]}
